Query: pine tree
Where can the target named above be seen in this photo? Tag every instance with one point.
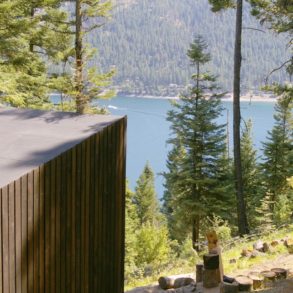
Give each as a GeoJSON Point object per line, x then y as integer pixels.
{"type": "Point", "coordinates": [42, 37]}
{"type": "Point", "coordinates": [145, 198]}
{"type": "Point", "coordinates": [278, 151]}
{"type": "Point", "coordinates": [241, 207]}
{"type": "Point", "coordinates": [131, 227]}
{"type": "Point", "coordinates": [88, 83]}
{"type": "Point", "coordinates": [251, 173]}
{"type": "Point", "coordinates": [173, 185]}
{"type": "Point", "coordinates": [194, 128]}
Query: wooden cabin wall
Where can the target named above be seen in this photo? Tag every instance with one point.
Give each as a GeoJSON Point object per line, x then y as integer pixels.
{"type": "Point", "coordinates": [62, 225]}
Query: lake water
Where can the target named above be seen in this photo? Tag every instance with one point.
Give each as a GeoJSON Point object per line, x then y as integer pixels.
{"type": "Point", "coordinates": [148, 131]}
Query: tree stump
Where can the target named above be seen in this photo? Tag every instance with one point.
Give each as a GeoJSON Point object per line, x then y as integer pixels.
{"type": "Point", "coordinates": [211, 278]}
{"type": "Point", "coordinates": [266, 247]}
{"type": "Point", "coordinates": [280, 273]}
{"type": "Point", "coordinates": [182, 282]}
{"type": "Point", "coordinates": [246, 252]}
{"type": "Point", "coordinates": [199, 271]}
{"type": "Point", "coordinates": [227, 279]}
{"type": "Point", "coordinates": [166, 283]}
{"type": "Point", "coordinates": [211, 261]}
{"type": "Point", "coordinates": [257, 281]}
{"type": "Point", "coordinates": [289, 244]}
{"type": "Point", "coordinates": [269, 278]}
{"type": "Point", "coordinates": [244, 283]}
{"type": "Point", "coordinates": [274, 243]}
{"type": "Point", "coordinates": [229, 288]}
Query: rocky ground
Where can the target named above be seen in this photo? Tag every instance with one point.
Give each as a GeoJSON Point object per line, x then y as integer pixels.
{"type": "Point", "coordinates": [284, 261]}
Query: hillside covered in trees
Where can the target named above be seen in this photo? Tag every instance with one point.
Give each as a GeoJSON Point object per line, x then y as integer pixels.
{"type": "Point", "coordinates": [146, 42]}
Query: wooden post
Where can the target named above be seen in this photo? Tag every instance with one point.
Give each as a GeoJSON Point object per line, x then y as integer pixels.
{"type": "Point", "coordinates": [199, 272]}
{"type": "Point", "coordinates": [211, 278]}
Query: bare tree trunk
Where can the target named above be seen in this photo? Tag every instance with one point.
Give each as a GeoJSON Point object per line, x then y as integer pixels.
{"type": "Point", "coordinates": [241, 207]}
{"type": "Point", "coordinates": [195, 233]}
{"type": "Point", "coordinates": [81, 102]}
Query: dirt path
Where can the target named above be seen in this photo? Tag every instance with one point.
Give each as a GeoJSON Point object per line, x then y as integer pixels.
{"type": "Point", "coordinates": [283, 261]}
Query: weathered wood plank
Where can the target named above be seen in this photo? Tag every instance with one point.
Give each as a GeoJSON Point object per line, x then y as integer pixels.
{"type": "Point", "coordinates": [58, 223]}
{"type": "Point", "coordinates": [11, 227]}
{"type": "Point", "coordinates": [42, 229]}
{"type": "Point", "coordinates": [87, 160]}
{"type": "Point", "coordinates": [63, 223]}
{"type": "Point", "coordinates": [97, 204]}
{"type": "Point", "coordinates": [30, 223]}
{"type": "Point", "coordinates": [5, 238]}
{"type": "Point", "coordinates": [17, 235]}
{"type": "Point", "coordinates": [73, 219]}
{"type": "Point", "coordinates": [36, 219]}
{"type": "Point", "coordinates": [53, 226]}
{"type": "Point", "coordinates": [24, 237]}
{"type": "Point", "coordinates": [78, 220]}
{"type": "Point", "coordinates": [92, 179]}
{"type": "Point", "coordinates": [47, 201]}
{"type": "Point", "coordinates": [69, 251]}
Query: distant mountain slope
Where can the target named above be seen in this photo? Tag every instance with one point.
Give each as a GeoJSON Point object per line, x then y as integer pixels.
{"type": "Point", "coordinates": [147, 42]}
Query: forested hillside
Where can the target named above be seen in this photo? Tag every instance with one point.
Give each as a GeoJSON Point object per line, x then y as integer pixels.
{"type": "Point", "coordinates": [147, 41]}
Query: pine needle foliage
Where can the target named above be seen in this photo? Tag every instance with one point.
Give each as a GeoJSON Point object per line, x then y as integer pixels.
{"type": "Point", "coordinates": [193, 181]}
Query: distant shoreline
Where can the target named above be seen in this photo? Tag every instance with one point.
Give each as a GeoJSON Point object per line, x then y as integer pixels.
{"type": "Point", "coordinates": [226, 98]}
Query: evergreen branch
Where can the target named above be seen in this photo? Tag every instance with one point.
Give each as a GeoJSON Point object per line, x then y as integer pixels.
{"type": "Point", "coordinates": [254, 29]}
{"type": "Point", "coordinates": [278, 68]}
{"type": "Point", "coordinates": [88, 30]}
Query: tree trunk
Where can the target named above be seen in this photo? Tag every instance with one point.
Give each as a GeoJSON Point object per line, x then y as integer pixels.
{"type": "Point", "coordinates": [245, 283]}
{"type": "Point", "coordinates": [241, 207]}
{"type": "Point", "coordinates": [80, 98]}
{"type": "Point", "coordinates": [195, 233]}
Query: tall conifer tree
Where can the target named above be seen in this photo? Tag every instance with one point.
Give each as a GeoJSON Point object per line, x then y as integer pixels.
{"type": "Point", "coordinates": [34, 33]}
{"type": "Point", "coordinates": [251, 173]}
{"type": "Point", "coordinates": [218, 5]}
{"type": "Point", "coordinates": [194, 128]}
{"type": "Point", "coordinates": [278, 151]}
{"type": "Point", "coordinates": [88, 83]}
{"type": "Point", "coordinates": [145, 198]}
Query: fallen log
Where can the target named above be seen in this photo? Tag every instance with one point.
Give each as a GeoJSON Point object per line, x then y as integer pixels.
{"type": "Point", "coordinates": [182, 282]}
{"type": "Point", "coordinates": [280, 273]}
{"type": "Point", "coordinates": [229, 287]}
{"type": "Point", "coordinates": [166, 283]}
{"type": "Point", "coordinates": [245, 283]}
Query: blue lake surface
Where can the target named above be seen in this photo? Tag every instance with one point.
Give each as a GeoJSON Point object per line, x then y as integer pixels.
{"type": "Point", "coordinates": [148, 131]}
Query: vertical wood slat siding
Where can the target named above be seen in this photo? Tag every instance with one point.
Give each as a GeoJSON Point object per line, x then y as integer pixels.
{"type": "Point", "coordinates": [62, 224]}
